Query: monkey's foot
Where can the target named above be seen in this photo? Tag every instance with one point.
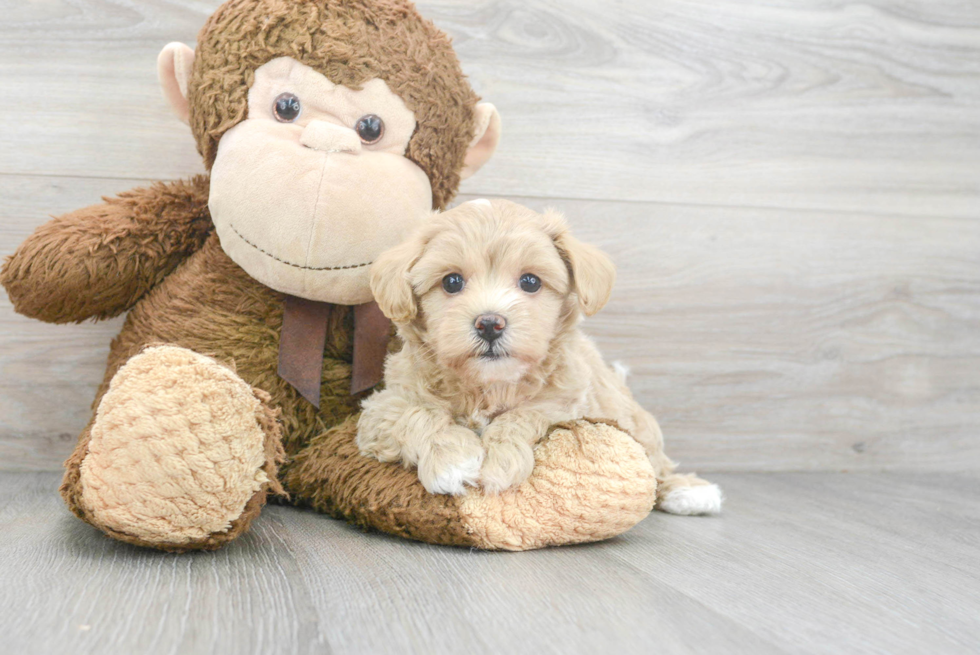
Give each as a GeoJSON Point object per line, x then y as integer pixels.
{"type": "Point", "coordinates": [590, 482]}
{"type": "Point", "coordinates": [181, 455]}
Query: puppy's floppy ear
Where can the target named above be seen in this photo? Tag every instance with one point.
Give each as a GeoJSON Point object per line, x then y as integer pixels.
{"type": "Point", "coordinates": [389, 280]}
{"type": "Point", "coordinates": [593, 273]}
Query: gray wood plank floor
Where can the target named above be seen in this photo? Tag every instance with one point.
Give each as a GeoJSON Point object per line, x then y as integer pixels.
{"type": "Point", "coordinates": [799, 563]}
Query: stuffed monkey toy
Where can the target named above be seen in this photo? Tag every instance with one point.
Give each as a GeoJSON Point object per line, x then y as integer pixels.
{"type": "Point", "coordinates": [329, 128]}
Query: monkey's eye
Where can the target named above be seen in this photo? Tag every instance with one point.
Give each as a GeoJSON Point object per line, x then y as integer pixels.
{"type": "Point", "coordinates": [287, 108]}
{"type": "Point", "coordinates": [370, 128]}
{"type": "Point", "coordinates": [530, 282]}
{"type": "Point", "coordinates": [453, 283]}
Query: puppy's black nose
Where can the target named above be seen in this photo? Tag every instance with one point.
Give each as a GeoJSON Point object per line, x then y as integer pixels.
{"type": "Point", "coordinates": [490, 327]}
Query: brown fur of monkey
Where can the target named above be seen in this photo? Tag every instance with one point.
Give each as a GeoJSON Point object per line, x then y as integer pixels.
{"type": "Point", "coordinates": [209, 305]}
{"type": "Point", "coordinates": [153, 252]}
{"type": "Point", "coordinates": [350, 43]}
{"type": "Point", "coordinates": [99, 261]}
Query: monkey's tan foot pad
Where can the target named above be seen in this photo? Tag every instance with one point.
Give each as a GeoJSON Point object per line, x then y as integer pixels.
{"type": "Point", "coordinates": [590, 482]}
{"type": "Point", "coordinates": [181, 453]}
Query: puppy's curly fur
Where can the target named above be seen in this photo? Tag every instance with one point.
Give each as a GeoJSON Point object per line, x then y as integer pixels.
{"type": "Point", "coordinates": [487, 298]}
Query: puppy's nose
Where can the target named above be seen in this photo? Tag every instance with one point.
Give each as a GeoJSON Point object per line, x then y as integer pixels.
{"type": "Point", "coordinates": [490, 327]}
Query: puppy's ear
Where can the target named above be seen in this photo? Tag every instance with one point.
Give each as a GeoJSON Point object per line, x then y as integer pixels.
{"type": "Point", "coordinates": [593, 273]}
{"type": "Point", "coordinates": [390, 284]}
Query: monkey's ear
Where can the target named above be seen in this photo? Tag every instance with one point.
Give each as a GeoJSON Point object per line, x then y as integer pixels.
{"type": "Point", "coordinates": [486, 136]}
{"type": "Point", "coordinates": [390, 285]}
{"type": "Point", "coordinates": [593, 273]}
{"type": "Point", "coordinates": [174, 66]}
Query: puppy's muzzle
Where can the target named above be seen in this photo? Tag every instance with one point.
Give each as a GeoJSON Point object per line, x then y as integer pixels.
{"type": "Point", "coordinates": [490, 327]}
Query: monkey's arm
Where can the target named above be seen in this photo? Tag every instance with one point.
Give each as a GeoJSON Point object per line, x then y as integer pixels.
{"type": "Point", "coordinates": [98, 261]}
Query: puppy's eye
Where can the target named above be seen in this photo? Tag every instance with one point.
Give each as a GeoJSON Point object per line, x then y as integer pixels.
{"type": "Point", "coordinates": [287, 108]}
{"type": "Point", "coordinates": [453, 283]}
{"type": "Point", "coordinates": [530, 283]}
{"type": "Point", "coordinates": [370, 128]}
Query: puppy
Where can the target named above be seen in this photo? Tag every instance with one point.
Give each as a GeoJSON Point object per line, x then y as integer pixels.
{"type": "Point", "coordinates": [487, 298]}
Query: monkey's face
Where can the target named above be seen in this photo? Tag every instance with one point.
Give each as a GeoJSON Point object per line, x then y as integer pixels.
{"type": "Point", "coordinates": [314, 184]}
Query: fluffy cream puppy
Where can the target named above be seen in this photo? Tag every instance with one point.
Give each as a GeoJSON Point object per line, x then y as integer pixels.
{"type": "Point", "coordinates": [487, 298]}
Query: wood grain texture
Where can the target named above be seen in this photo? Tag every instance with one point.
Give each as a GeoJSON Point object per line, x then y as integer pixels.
{"type": "Point", "coordinates": [798, 563]}
{"type": "Point", "coordinates": [816, 341]}
{"type": "Point", "coordinates": [871, 106]}
{"type": "Point", "coordinates": [760, 342]}
{"type": "Point", "coordinates": [790, 190]}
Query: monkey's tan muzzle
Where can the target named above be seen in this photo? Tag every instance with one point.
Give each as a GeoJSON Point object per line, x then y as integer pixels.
{"type": "Point", "coordinates": [305, 217]}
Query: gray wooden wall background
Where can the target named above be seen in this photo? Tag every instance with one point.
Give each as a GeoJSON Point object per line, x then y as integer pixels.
{"type": "Point", "coordinates": [791, 189]}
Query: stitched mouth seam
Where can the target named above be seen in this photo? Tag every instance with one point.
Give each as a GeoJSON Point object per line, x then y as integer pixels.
{"type": "Point", "coordinates": [305, 268]}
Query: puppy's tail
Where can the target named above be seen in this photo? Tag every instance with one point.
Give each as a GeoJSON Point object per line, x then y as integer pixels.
{"type": "Point", "coordinates": [688, 495]}
{"type": "Point", "coordinates": [621, 370]}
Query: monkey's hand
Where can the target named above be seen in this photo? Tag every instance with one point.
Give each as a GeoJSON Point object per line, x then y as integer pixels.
{"type": "Point", "coordinates": [98, 261]}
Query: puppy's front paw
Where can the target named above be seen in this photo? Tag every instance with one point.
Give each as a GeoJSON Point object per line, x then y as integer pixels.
{"type": "Point", "coordinates": [450, 462]}
{"type": "Point", "coordinates": [507, 463]}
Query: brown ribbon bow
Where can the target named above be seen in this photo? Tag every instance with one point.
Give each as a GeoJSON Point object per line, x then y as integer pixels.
{"type": "Point", "coordinates": [304, 336]}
